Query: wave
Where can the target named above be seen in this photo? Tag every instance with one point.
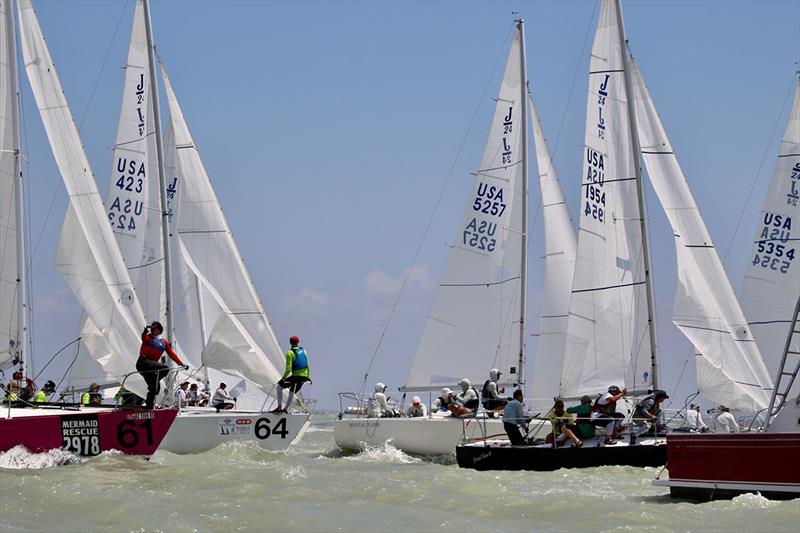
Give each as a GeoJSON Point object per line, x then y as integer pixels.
{"type": "Point", "coordinates": [20, 458]}
{"type": "Point", "coordinates": [382, 453]}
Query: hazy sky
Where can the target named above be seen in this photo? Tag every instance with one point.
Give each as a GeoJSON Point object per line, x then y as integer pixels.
{"type": "Point", "coordinates": [329, 128]}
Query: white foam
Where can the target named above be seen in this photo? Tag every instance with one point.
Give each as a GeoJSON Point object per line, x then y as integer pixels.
{"type": "Point", "coordinates": [383, 453]}
{"type": "Point", "coordinates": [19, 458]}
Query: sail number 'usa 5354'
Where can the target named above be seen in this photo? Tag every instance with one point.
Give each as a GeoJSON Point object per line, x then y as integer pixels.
{"type": "Point", "coordinates": [776, 247]}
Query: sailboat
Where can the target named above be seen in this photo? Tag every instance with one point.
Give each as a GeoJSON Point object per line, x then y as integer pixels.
{"type": "Point", "coordinates": [181, 255]}
{"type": "Point", "coordinates": [611, 331]}
{"type": "Point", "coordinates": [478, 318]}
{"type": "Point", "coordinates": [96, 264]}
{"type": "Point", "coordinates": [711, 466]}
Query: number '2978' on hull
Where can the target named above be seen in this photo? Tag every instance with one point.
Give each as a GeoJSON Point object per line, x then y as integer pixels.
{"type": "Point", "coordinates": [87, 431]}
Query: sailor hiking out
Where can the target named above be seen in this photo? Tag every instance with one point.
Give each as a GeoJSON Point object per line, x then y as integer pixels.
{"type": "Point", "coordinates": [296, 373]}
{"type": "Point", "coordinates": [148, 364]}
{"type": "Point", "coordinates": [490, 394]}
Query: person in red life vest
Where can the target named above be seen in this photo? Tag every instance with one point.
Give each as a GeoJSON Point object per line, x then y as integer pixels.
{"type": "Point", "coordinates": [149, 366]}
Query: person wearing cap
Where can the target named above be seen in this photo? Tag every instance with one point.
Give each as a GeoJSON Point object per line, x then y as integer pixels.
{"type": "Point", "coordinates": [726, 423]}
{"type": "Point", "coordinates": [583, 417]}
{"type": "Point", "coordinates": [490, 394]}
{"type": "Point", "coordinates": [694, 419]}
{"type": "Point", "coordinates": [467, 402]}
{"type": "Point", "coordinates": [648, 410]}
{"type": "Point", "coordinates": [604, 412]}
{"type": "Point", "coordinates": [441, 403]}
{"type": "Point", "coordinates": [295, 374]}
{"type": "Point", "coordinates": [416, 409]}
{"type": "Point", "coordinates": [42, 394]}
{"type": "Point", "coordinates": [514, 422]}
{"type": "Point", "coordinates": [563, 427]}
{"type": "Point", "coordinates": [378, 404]}
{"type": "Point", "coordinates": [92, 396]}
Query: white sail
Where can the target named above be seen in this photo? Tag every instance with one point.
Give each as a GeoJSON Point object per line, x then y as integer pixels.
{"type": "Point", "coordinates": [88, 255]}
{"type": "Point", "coordinates": [772, 280]}
{"type": "Point", "coordinates": [608, 341]}
{"type": "Point", "coordinates": [730, 369]}
{"type": "Point", "coordinates": [560, 244]}
{"type": "Point", "coordinates": [10, 293]}
{"type": "Point", "coordinates": [242, 341]}
{"type": "Point", "coordinates": [475, 319]}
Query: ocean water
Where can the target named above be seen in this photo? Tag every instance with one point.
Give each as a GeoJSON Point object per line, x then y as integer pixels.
{"type": "Point", "coordinates": [314, 487]}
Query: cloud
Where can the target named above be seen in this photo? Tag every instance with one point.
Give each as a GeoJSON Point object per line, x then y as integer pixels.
{"type": "Point", "coordinates": [379, 283]}
{"type": "Point", "coordinates": [311, 301]}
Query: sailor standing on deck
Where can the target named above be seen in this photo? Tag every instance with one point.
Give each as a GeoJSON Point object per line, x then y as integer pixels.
{"type": "Point", "coordinates": [295, 375]}
{"type": "Point", "coordinates": [726, 423]}
{"type": "Point", "coordinates": [149, 366]}
{"type": "Point", "coordinates": [514, 419]}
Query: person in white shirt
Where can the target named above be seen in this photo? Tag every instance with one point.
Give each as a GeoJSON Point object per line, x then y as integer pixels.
{"type": "Point", "coordinates": [694, 419]}
{"type": "Point", "coordinates": [222, 400]}
{"type": "Point", "coordinates": [181, 398]}
{"type": "Point", "coordinates": [440, 404]}
{"type": "Point", "coordinates": [726, 423]}
{"type": "Point", "coordinates": [378, 405]}
{"type": "Point", "coordinates": [467, 402]}
{"type": "Point", "coordinates": [604, 413]}
{"type": "Point", "coordinates": [416, 409]}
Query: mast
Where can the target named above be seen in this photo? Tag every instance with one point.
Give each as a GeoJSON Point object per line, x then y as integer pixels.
{"type": "Point", "coordinates": [523, 89]}
{"type": "Point", "coordinates": [161, 184]}
{"type": "Point", "coordinates": [19, 200]}
{"type": "Point", "coordinates": [640, 196]}
{"type": "Point", "coordinates": [202, 316]}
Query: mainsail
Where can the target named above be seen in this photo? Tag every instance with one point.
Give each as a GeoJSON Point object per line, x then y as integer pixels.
{"type": "Point", "coordinates": [559, 265]}
{"type": "Point", "coordinates": [242, 341]}
{"type": "Point", "coordinates": [772, 280]}
{"type": "Point", "coordinates": [730, 369]}
{"type": "Point", "coordinates": [11, 264]}
{"type": "Point", "coordinates": [88, 255]}
{"type": "Point", "coordinates": [608, 340]}
{"type": "Point", "coordinates": [474, 323]}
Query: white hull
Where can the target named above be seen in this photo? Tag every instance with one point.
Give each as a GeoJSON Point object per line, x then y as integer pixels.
{"type": "Point", "coordinates": [437, 435]}
{"type": "Point", "coordinates": [197, 430]}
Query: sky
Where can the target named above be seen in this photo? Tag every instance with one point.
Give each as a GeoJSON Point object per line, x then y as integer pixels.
{"type": "Point", "coordinates": [329, 129]}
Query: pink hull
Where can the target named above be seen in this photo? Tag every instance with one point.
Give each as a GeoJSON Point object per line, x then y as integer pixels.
{"type": "Point", "coordinates": [723, 465]}
{"type": "Point", "coordinates": [135, 432]}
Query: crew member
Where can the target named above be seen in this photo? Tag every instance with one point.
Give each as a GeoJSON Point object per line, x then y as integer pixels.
{"type": "Point", "coordinates": [490, 397]}
{"type": "Point", "coordinates": [149, 366]}
{"type": "Point", "coordinates": [467, 402]}
{"type": "Point", "coordinates": [222, 400]}
{"type": "Point", "coordinates": [648, 410]}
{"type": "Point", "coordinates": [604, 412]}
{"type": "Point", "coordinates": [93, 396]}
{"type": "Point", "coordinates": [514, 419]}
{"type": "Point", "coordinates": [42, 394]}
{"type": "Point", "coordinates": [440, 404]}
{"type": "Point", "coordinates": [416, 409]}
{"type": "Point", "coordinates": [726, 423]}
{"type": "Point", "coordinates": [295, 374]}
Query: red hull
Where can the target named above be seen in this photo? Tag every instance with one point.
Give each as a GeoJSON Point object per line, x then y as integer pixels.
{"type": "Point", "coordinates": [712, 466]}
{"type": "Point", "coordinates": [136, 432]}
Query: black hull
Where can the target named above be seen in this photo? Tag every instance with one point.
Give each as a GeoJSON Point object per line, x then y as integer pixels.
{"type": "Point", "coordinates": [505, 457]}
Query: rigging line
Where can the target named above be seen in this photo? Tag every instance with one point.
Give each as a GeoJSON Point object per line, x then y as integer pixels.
{"type": "Point", "coordinates": [77, 352]}
{"type": "Point", "coordinates": [436, 207]}
{"type": "Point", "coordinates": [758, 172]}
{"type": "Point", "coordinates": [54, 356]}
{"type": "Point", "coordinates": [575, 77]}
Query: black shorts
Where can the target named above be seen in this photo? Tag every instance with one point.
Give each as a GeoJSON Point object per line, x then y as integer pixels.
{"type": "Point", "coordinates": [293, 383]}
{"type": "Point", "coordinates": [494, 404]}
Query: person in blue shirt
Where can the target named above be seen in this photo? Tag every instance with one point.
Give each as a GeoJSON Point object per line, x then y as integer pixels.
{"type": "Point", "coordinates": [514, 419]}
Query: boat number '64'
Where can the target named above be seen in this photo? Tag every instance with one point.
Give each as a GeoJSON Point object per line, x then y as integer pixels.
{"type": "Point", "coordinates": [263, 431]}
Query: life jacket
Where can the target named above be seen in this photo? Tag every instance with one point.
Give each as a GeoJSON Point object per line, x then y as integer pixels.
{"type": "Point", "coordinates": [86, 398]}
{"type": "Point", "coordinates": [443, 403]}
{"type": "Point", "coordinates": [609, 409]}
{"type": "Point", "coordinates": [40, 397]}
{"type": "Point", "coordinates": [300, 360]}
{"type": "Point", "coordinates": [473, 404]}
{"type": "Point", "coordinates": [485, 390]}
{"type": "Point", "coordinates": [152, 347]}
{"type": "Point", "coordinates": [638, 413]}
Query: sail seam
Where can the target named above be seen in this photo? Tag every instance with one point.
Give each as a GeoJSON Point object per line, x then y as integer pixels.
{"type": "Point", "coordinates": [621, 286]}
{"type": "Point", "coordinates": [479, 284]}
{"type": "Point", "coordinates": [608, 181]}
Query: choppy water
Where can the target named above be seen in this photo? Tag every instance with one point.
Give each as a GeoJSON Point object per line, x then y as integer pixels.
{"type": "Point", "coordinates": [240, 487]}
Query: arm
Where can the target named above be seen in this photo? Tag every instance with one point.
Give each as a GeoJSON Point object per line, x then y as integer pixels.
{"type": "Point", "coordinates": [288, 369]}
{"type": "Point", "coordinates": [173, 355]}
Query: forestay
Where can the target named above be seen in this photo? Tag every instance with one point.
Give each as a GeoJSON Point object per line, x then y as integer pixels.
{"type": "Point", "coordinates": [88, 255]}
{"type": "Point", "coordinates": [10, 293]}
{"type": "Point", "coordinates": [772, 280]}
{"type": "Point", "coordinates": [608, 341]}
{"type": "Point", "coordinates": [559, 265]}
{"type": "Point", "coordinates": [241, 341]}
{"type": "Point", "coordinates": [730, 369]}
{"type": "Point", "coordinates": [474, 322]}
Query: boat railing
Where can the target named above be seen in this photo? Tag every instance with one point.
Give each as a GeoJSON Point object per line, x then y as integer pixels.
{"type": "Point", "coordinates": [351, 403]}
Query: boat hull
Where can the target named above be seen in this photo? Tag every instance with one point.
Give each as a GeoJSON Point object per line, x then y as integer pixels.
{"type": "Point", "coordinates": [437, 435]}
{"type": "Point", "coordinates": [86, 432]}
{"type": "Point", "coordinates": [503, 456]}
{"type": "Point", "coordinates": [720, 466]}
{"type": "Point", "coordinates": [199, 430]}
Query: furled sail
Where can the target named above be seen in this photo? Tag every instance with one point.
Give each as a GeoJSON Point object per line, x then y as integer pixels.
{"type": "Point", "coordinates": [730, 369]}
{"type": "Point", "coordinates": [772, 280]}
{"type": "Point", "coordinates": [242, 341]}
{"type": "Point", "coordinates": [608, 341]}
{"type": "Point", "coordinates": [559, 265]}
{"type": "Point", "coordinates": [475, 319]}
{"type": "Point", "coordinates": [88, 255]}
{"type": "Point", "coordinates": [10, 287]}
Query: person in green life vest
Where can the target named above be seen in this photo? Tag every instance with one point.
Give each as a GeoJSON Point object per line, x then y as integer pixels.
{"type": "Point", "coordinates": [12, 394]}
{"type": "Point", "coordinates": [92, 396]}
{"type": "Point", "coordinates": [583, 414]}
{"type": "Point", "coordinates": [42, 394]}
{"type": "Point", "coordinates": [295, 375]}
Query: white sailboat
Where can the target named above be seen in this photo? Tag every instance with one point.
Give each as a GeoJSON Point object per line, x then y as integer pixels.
{"type": "Point", "coordinates": [477, 321]}
{"type": "Point", "coordinates": [611, 332]}
{"type": "Point", "coordinates": [175, 241]}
